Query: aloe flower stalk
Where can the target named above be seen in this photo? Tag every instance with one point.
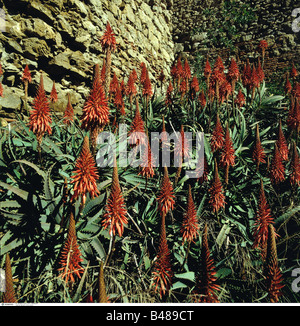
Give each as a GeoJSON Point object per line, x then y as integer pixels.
{"type": "Point", "coordinates": [233, 73]}
{"type": "Point", "coordinates": [40, 117]}
{"type": "Point", "coordinates": [115, 210]}
{"type": "Point", "coordinates": [272, 271]}
{"type": "Point", "coordinates": [26, 79]}
{"type": "Point", "coordinates": [282, 144]}
{"type": "Point", "coordinates": [277, 173]}
{"type": "Point", "coordinates": [70, 257]}
{"type": "Point", "coordinates": [69, 112]}
{"type": "Point", "coordinates": [262, 222]}
{"type": "Point", "coordinates": [9, 295]}
{"type": "Point", "coordinates": [108, 43]}
{"type": "Point", "coordinates": [216, 192]}
{"type": "Point", "coordinates": [217, 138]}
{"type": "Point", "coordinates": [53, 95]}
{"type": "Point", "coordinates": [166, 198]}
{"type": "Point", "coordinates": [85, 174]}
{"type": "Point", "coordinates": [227, 158]}
{"type": "Point", "coordinates": [162, 273]}
{"type": "Point", "coordinates": [137, 126]}
{"type": "Point", "coordinates": [102, 297]}
{"type": "Point", "coordinates": [295, 166]}
{"type": "Point", "coordinates": [206, 287]}
{"type": "Point", "coordinates": [190, 226]}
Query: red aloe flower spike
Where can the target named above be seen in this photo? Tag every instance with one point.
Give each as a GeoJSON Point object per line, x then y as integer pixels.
{"type": "Point", "coordinates": [260, 73]}
{"type": "Point", "coordinates": [69, 112]}
{"type": "Point", "coordinates": [119, 102]}
{"type": "Point", "coordinates": [168, 99]}
{"type": "Point", "coordinates": [296, 90]}
{"type": "Point", "coordinates": [190, 226]}
{"type": "Point", "coordinates": [70, 257]}
{"type": "Point", "coordinates": [294, 72]}
{"type": "Point", "coordinates": [166, 198]}
{"type": "Point", "coordinates": [295, 167]}
{"type": "Point", "coordinates": [130, 87]}
{"type": "Point", "coordinates": [40, 117]}
{"type": "Point", "coordinates": [282, 144]}
{"type": "Point", "coordinates": [254, 81]}
{"type": "Point", "coordinates": [233, 73]}
{"type": "Point", "coordinates": [216, 193]}
{"type": "Point", "coordinates": [114, 85]}
{"type": "Point", "coordinates": [217, 138]}
{"type": "Point", "coordinates": [115, 215]}
{"type": "Point", "coordinates": [293, 120]}
{"type": "Point", "coordinates": [95, 111]}
{"type": "Point", "coordinates": [258, 154]}
{"type": "Point", "coordinates": [26, 75]}
{"type": "Point", "coordinates": [202, 99]}
{"type": "Point", "coordinates": [108, 43]}
{"type": "Point", "coordinates": [206, 286]}
{"type": "Point", "coordinates": [9, 295]}
{"type": "Point", "coordinates": [240, 99]}
{"type": "Point", "coordinates": [288, 86]}
{"type": "Point", "coordinates": [272, 273]}
{"type": "Point", "coordinates": [144, 73]}
{"type": "Point", "coordinates": [207, 71]}
{"type": "Point", "coordinates": [246, 76]}
{"type": "Point", "coordinates": [186, 70]}
{"type": "Point", "coordinates": [277, 172]}
{"type": "Point", "coordinates": [147, 87]}
{"type": "Point", "coordinates": [263, 219]}
{"type": "Point", "coordinates": [227, 155]}
{"type": "Point", "coordinates": [194, 87]}
{"type": "Point", "coordinates": [53, 94]}
{"type": "Point", "coordinates": [147, 165]}
{"type": "Point", "coordinates": [162, 273]}
{"type": "Point", "coordinates": [263, 45]}
{"type": "Point", "coordinates": [137, 126]}
{"type": "Point", "coordinates": [85, 174]}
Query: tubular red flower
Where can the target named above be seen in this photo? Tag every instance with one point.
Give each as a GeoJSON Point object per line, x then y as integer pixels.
{"type": "Point", "coordinates": [166, 198]}
{"type": "Point", "coordinates": [272, 271]}
{"type": "Point", "coordinates": [130, 87]}
{"type": "Point", "coordinates": [95, 111]}
{"type": "Point", "coordinates": [206, 287]}
{"type": "Point", "coordinates": [282, 144]}
{"type": "Point", "coordinates": [207, 69]}
{"type": "Point", "coordinates": [162, 273]}
{"type": "Point", "coordinates": [295, 167]}
{"type": "Point", "coordinates": [115, 210]}
{"type": "Point", "coordinates": [263, 219]}
{"type": "Point", "coordinates": [190, 226]}
{"type": "Point", "coordinates": [258, 154]}
{"type": "Point", "coordinates": [217, 138]}
{"type": "Point", "coordinates": [114, 85]}
{"type": "Point", "coordinates": [147, 165]}
{"type": "Point", "coordinates": [26, 75]}
{"type": "Point", "coordinates": [9, 295]}
{"type": "Point", "coordinates": [85, 174]}
{"type": "Point", "coordinates": [40, 117]}
{"type": "Point", "coordinates": [53, 94]}
{"type": "Point", "coordinates": [70, 257]}
{"type": "Point", "coordinates": [246, 76]}
{"type": "Point", "coordinates": [137, 126]}
{"type": "Point", "coordinates": [240, 99]}
{"type": "Point", "coordinates": [233, 71]}
{"type": "Point", "coordinates": [202, 99]}
{"type": "Point", "coordinates": [69, 112]}
{"type": "Point", "coordinates": [108, 38]}
{"type": "Point", "coordinates": [186, 70]}
{"type": "Point", "coordinates": [227, 153]}
{"type": "Point", "coordinates": [144, 73]}
{"type": "Point", "coordinates": [277, 173]}
{"type": "Point", "coordinates": [147, 87]}
{"type": "Point", "coordinates": [216, 193]}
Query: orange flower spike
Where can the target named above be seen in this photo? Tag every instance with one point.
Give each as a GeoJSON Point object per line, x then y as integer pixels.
{"type": "Point", "coordinates": [108, 39]}
{"type": "Point", "coordinates": [190, 226]}
{"type": "Point", "coordinates": [26, 75]}
{"type": "Point", "coordinates": [258, 154]}
{"type": "Point", "coordinates": [53, 94]}
{"type": "Point", "coordinates": [169, 97]}
{"type": "Point", "coordinates": [70, 257]}
{"type": "Point", "coordinates": [147, 87]}
{"type": "Point", "coordinates": [40, 117]}
{"type": "Point", "coordinates": [206, 286]}
{"type": "Point", "coordinates": [216, 192]}
{"type": "Point", "coordinates": [166, 198]}
{"type": "Point", "coordinates": [162, 273]}
{"type": "Point", "coordinates": [263, 219]}
{"type": "Point", "coordinates": [115, 210]}
{"type": "Point", "coordinates": [186, 70]}
{"type": "Point", "coordinates": [147, 166]}
{"type": "Point", "coordinates": [69, 112]}
{"type": "Point", "coordinates": [277, 172]}
{"type": "Point", "coordinates": [295, 167]}
{"type": "Point", "coordinates": [282, 144]}
{"type": "Point", "coordinates": [137, 126]}
{"type": "Point", "coordinates": [228, 154]}
{"type": "Point", "coordinates": [85, 174]}
{"type": "Point", "coordinates": [273, 275]}
{"type": "Point", "coordinates": [294, 72]}
{"type": "Point", "coordinates": [217, 138]}
{"type": "Point", "coordinates": [9, 295]}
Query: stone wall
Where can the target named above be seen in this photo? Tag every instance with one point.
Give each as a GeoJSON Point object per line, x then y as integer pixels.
{"type": "Point", "coordinates": [61, 39]}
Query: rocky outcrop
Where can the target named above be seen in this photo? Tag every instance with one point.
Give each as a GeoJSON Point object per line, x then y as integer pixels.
{"type": "Point", "coordinates": [61, 39]}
